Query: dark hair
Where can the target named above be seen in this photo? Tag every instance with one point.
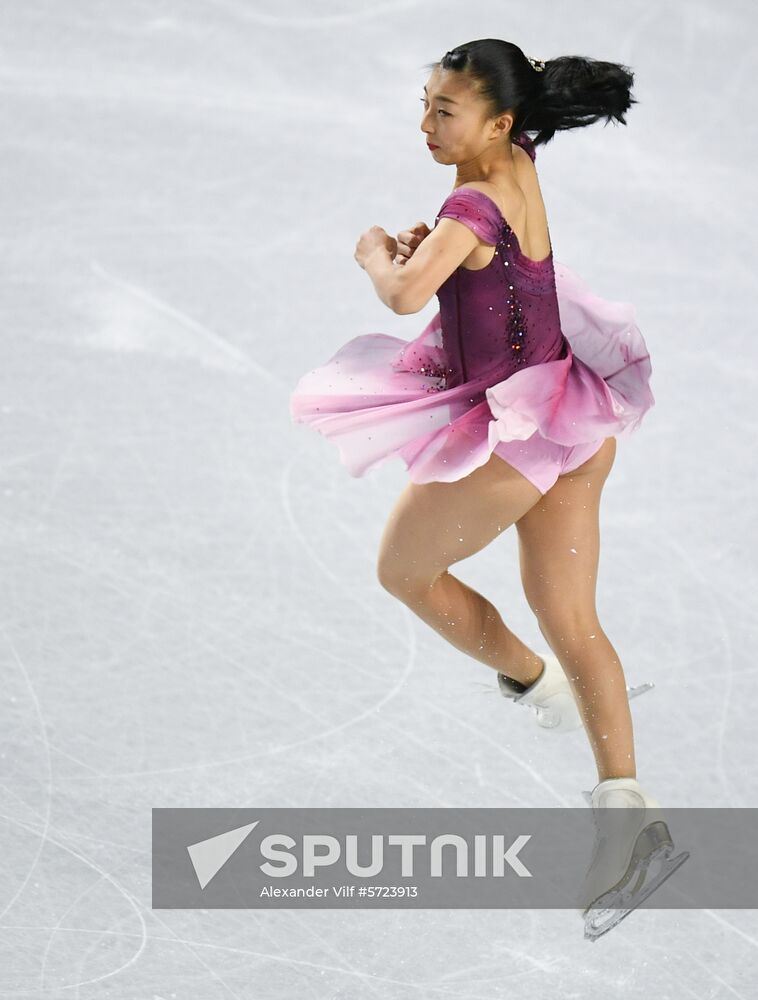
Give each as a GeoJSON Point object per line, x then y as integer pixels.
{"type": "Point", "coordinates": [570, 92]}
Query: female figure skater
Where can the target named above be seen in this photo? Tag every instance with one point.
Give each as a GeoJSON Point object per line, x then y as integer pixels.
{"type": "Point", "coordinates": [507, 406]}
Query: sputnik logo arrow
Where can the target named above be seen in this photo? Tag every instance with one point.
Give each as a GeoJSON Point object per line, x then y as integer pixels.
{"type": "Point", "coordinates": [209, 856]}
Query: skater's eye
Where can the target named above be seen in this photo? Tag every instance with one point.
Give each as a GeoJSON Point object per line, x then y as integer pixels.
{"type": "Point", "coordinates": [440, 112]}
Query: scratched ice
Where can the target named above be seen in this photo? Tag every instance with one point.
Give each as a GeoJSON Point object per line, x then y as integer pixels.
{"type": "Point", "coordinates": [191, 612]}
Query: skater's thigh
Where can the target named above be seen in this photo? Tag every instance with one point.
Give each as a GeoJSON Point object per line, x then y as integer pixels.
{"type": "Point", "coordinates": [559, 541]}
{"type": "Point", "coordinates": [434, 525]}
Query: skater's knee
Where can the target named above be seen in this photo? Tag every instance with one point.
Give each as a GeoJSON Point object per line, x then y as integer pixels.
{"type": "Point", "coordinates": [565, 623]}
{"type": "Point", "coordinates": [401, 580]}
{"type": "Point", "coordinates": [390, 575]}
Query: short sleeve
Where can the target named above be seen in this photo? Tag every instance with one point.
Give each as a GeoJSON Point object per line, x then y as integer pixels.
{"type": "Point", "coordinates": [523, 140]}
{"type": "Point", "coordinates": [476, 210]}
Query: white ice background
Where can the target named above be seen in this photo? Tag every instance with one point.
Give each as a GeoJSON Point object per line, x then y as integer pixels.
{"type": "Point", "coordinates": [191, 614]}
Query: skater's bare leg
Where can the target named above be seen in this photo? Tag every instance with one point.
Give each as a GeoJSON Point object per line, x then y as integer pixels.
{"type": "Point", "coordinates": [434, 525]}
{"type": "Point", "coordinates": [559, 548]}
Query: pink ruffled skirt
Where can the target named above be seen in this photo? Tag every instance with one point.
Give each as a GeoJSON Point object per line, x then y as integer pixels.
{"type": "Point", "coordinates": [380, 396]}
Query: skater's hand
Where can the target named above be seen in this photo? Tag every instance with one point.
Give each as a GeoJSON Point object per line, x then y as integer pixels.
{"type": "Point", "coordinates": [408, 240]}
{"type": "Point", "coordinates": [373, 239]}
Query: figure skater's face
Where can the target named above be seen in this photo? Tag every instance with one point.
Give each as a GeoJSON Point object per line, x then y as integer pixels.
{"type": "Point", "coordinates": [455, 119]}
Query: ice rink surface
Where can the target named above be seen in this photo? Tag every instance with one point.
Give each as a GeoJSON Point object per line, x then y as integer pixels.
{"type": "Point", "coordinates": [191, 613]}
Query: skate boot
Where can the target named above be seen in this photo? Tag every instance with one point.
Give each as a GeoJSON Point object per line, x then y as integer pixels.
{"type": "Point", "coordinates": [551, 696]}
{"type": "Point", "coordinates": [631, 857]}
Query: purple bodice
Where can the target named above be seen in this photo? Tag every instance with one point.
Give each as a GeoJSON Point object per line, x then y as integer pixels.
{"type": "Point", "coordinates": [519, 351]}
{"type": "Point", "coordinates": [504, 316]}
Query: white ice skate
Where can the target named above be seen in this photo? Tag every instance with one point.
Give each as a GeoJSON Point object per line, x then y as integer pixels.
{"type": "Point", "coordinates": [552, 698]}
{"type": "Point", "coordinates": [632, 854]}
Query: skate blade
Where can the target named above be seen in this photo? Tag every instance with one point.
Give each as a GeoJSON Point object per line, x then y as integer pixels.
{"type": "Point", "coordinates": [611, 908]}
{"type": "Point", "coordinates": [637, 689]}
{"type": "Point", "coordinates": [571, 721]}
{"type": "Point", "coordinates": [632, 691]}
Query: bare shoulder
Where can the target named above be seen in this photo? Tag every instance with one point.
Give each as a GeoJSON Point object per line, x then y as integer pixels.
{"type": "Point", "coordinates": [526, 177]}
{"type": "Point", "coordinates": [520, 154]}
{"type": "Point", "coordinates": [483, 187]}
{"type": "Point", "coordinates": [501, 193]}
{"type": "Point", "coordinates": [525, 167]}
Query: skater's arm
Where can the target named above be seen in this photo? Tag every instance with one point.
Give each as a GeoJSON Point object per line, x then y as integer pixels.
{"type": "Point", "coordinates": [375, 252]}
{"type": "Point", "coordinates": [408, 288]}
{"type": "Point", "coordinates": [432, 263]}
{"type": "Point", "coordinates": [380, 268]}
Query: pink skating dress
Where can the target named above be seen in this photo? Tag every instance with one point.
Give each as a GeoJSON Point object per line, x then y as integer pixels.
{"type": "Point", "coordinates": [522, 359]}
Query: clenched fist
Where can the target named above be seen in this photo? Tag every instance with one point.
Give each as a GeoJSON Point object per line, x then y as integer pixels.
{"type": "Point", "coordinates": [408, 240]}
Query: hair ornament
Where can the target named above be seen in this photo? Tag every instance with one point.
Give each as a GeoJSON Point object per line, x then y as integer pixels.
{"type": "Point", "coordinates": [537, 64]}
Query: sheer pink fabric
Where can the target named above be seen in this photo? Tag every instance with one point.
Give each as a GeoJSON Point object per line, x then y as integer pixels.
{"type": "Point", "coordinates": [516, 347]}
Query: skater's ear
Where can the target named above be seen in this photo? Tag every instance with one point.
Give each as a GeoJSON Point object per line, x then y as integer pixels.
{"type": "Point", "coordinates": [432, 263]}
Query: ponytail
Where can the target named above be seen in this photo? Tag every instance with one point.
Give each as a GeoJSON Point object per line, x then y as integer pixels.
{"type": "Point", "coordinates": [545, 96]}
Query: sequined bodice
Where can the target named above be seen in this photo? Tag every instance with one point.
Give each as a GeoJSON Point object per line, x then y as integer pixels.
{"type": "Point", "coordinates": [504, 316]}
